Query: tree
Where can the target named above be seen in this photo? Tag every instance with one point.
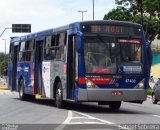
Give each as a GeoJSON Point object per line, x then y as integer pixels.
{"type": "Point", "coordinates": [119, 14]}
{"type": "Point", "coordinates": [130, 10]}
{"type": "Point", "coordinates": [3, 62]}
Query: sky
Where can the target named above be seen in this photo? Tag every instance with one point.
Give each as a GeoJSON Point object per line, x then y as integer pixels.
{"type": "Point", "coordinates": [46, 14]}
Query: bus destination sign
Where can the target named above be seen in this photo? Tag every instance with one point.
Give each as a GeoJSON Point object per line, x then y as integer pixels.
{"type": "Point", "coordinates": [107, 29]}
{"type": "Point", "coordinates": [110, 29]}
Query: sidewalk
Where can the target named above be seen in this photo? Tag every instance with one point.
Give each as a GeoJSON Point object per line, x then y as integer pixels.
{"type": "Point", "coordinates": [3, 86]}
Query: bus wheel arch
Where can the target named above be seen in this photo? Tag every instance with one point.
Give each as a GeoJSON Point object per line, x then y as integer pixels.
{"type": "Point", "coordinates": [58, 93]}
{"type": "Point", "coordinates": [19, 80]}
{"type": "Point", "coordinates": [57, 79]}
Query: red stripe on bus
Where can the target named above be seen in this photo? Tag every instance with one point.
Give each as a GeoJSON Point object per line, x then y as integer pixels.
{"type": "Point", "coordinates": [100, 80]}
{"type": "Point", "coordinates": [136, 41]}
{"type": "Point", "coordinates": [81, 80]}
{"type": "Point", "coordinates": [94, 80]}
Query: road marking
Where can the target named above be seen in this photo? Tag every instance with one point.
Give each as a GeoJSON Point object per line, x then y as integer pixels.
{"type": "Point", "coordinates": [76, 123]}
{"type": "Point", "coordinates": [101, 121]}
{"type": "Point", "coordinates": [68, 119]}
{"type": "Point", "coordinates": [93, 123]}
{"type": "Point", "coordinates": [79, 117]}
{"type": "Point", "coordinates": [156, 116]}
{"type": "Point", "coordinates": [85, 116]}
{"type": "Point", "coordinates": [91, 117]}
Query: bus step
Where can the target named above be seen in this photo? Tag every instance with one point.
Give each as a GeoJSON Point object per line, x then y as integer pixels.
{"type": "Point", "coordinates": [70, 100]}
{"type": "Point", "coordinates": [38, 96]}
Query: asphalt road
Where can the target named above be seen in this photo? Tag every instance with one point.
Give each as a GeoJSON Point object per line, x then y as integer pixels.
{"type": "Point", "coordinates": [43, 115]}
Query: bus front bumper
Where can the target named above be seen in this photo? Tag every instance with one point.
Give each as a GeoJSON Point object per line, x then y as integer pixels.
{"type": "Point", "coordinates": [112, 95]}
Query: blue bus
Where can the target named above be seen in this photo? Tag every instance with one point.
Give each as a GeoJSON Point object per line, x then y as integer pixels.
{"type": "Point", "coordinates": [90, 61]}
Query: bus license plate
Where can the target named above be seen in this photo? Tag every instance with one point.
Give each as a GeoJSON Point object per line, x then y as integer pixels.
{"type": "Point", "coordinates": [117, 93]}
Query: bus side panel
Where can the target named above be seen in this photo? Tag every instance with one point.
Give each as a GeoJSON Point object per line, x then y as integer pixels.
{"type": "Point", "coordinates": [40, 79]}
{"type": "Point", "coordinates": [19, 72]}
{"type": "Point", "coordinates": [46, 79]}
{"type": "Point", "coordinates": [57, 70]}
{"type": "Point", "coordinates": [25, 71]}
{"type": "Point", "coordinates": [28, 75]}
{"type": "Point", "coordinates": [50, 71]}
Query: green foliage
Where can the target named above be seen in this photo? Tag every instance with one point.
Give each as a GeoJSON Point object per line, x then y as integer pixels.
{"type": "Point", "coordinates": [152, 6]}
{"type": "Point", "coordinates": [119, 14]}
{"type": "Point", "coordinates": [149, 90]}
{"type": "Point", "coordinates": [130, 10]}
{"type": "Point", "coordinates": [3, 62]}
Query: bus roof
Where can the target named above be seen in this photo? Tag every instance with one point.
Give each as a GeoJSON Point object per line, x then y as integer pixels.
{"type": "Point", "coordinates": [124, 23]}
{"type": "Point", "coordinates": [73, 25]}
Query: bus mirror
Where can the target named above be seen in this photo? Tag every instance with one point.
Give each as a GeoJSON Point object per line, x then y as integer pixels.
{"type": "Point", "coordinates": [79, 40]}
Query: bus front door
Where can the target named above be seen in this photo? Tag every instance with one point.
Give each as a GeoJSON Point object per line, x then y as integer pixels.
{"type": "Point", "coordinates": [71, 58]}
{"type": "Point", "coordinates": [38, 67]}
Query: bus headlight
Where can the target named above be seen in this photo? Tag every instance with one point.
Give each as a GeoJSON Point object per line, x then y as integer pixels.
{"type": "Point", "coordinates": [90, 84]}
{"type": "Point", "coordinates": [140, 85]}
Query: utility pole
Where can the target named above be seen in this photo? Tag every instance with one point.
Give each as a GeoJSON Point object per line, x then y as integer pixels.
{"type": "Point", "coordinates": [5, 45]}
{"type": "Point", "coordinates": [93, 9]}
{"type": "Point", "coordinates": [82, 11]}
{"type": "Point", "coordinates": [141, 9]}
{"type": "Point", "coordinates": [140, 3]}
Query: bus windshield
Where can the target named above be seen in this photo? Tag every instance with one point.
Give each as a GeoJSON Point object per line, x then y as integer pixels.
{"type": "Point", "coordinates": [113, 55]}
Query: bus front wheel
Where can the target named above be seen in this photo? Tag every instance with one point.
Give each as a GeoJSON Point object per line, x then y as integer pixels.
{"type": "Point", "coordinates": [115, 105]}
{"type": "Point", "coordinates": [59, 96]}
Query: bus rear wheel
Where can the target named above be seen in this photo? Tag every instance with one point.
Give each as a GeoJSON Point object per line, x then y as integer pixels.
{"type": "Point", "coordinates": [59, 96]}
{"type": "Point", "coordinates": [22, 96]}
{"type": "Point", "coordinates": [115, 105]}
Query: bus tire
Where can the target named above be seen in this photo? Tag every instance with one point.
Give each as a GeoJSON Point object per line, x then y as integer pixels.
{"type": "Point", "coordinates": [154, 100]}
{"type": "Point", "coordinates": [59, 95]}
{"type": "Point", "coordinates": [22, 96]}
{"type": "Point", "coordinates": [115, 105]}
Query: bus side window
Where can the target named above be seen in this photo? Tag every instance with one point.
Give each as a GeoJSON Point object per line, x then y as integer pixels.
{"type": "Point", "coordinates": [53, 40]}
{"type": "Point", "coordinates": [21, 52]}
{"type": "Point", "coordinates": [29, 50]}
{"type": "Point", "coordinates": [57, 40]}
{"type": "Point", "coordinates": [49, 51]}
{"type": "Point", "coordinates": [49, 54]}
{"type": "Point", "coordinates": [61, 41]}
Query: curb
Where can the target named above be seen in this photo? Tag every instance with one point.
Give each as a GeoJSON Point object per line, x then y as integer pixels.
{"type": "Point", "coordinates": [4, 88]}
